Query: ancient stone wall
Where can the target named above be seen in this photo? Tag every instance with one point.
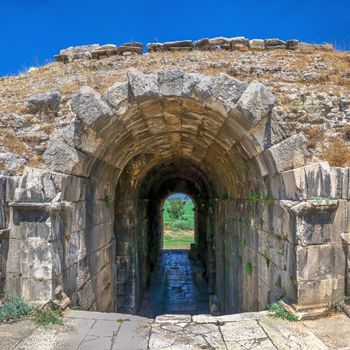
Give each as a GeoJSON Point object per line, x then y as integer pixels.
{"type": "Point", "coordinates": [273, 220]}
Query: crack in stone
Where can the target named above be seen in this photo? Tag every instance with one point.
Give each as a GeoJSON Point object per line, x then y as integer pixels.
{"type": "Point", "coordinates": [267, 335]}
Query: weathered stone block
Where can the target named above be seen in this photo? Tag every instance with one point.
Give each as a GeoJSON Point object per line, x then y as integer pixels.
{"type": "Point", "coordinates": [256, 102]}
{"type": "Point", "coordinates": [171, 82]}
{"type": "Point", "coordinates": [257, 44]}
{"type": "Point", "coordinates": [36, 289]}
{"type": "Point", "coordinates": [317, 262]}
{"type": "Point", "coordinates": [45, 102]}
{"type": "Point", "coordinates": [89, 106]}
{"type": "Point", "coordinates": [340, 182]}
{"type": "Point", "coordinates": [143, 86]}
{"type": "Point", "coordinates": [118, 97]}
{"type": "Point", "coordinates": [310, 181]}
{"type": "Point", "coordinates": [65, 159]}
{"type": "Point", "coordinates": [228, 90]}
{"type": "Point", "coordinates": [288, 154]}
{"type": "Point", "coordinates": [320, 292]}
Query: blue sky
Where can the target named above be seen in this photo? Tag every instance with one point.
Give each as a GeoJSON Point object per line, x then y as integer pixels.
{"type": "Point", "coordinates": [32, 31]}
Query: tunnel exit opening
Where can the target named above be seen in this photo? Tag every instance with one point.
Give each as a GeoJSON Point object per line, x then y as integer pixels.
{"type": "Point", "coordinates": [179, 222]}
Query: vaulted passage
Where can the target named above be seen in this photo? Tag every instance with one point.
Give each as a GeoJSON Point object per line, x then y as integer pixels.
{"type": "Point", "coordinates": [211, 138]}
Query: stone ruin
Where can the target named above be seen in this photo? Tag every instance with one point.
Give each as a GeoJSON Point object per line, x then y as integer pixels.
{"type": "Point", "coordinates": [272, 217]}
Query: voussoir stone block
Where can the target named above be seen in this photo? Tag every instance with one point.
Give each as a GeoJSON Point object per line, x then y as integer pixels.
{"type": "Point", "coordinates": [171, 82]}
{"type": "Point", "coordinates": [197, 86]}
{"type": "Point", "coordinates": [89, 106]}
{"type": "Point", "coordinates": [143, 86]}
{"type": "Point", "coordinates": [228, 90]}
{"type": "Point", "coordinates": [118, 97]}
{"type": "Point", "coordinates": [290, 153]}
{"type": "Point", "coordinates": [64, 159]}
{"type": "Point", "coordinates": [256, 102]}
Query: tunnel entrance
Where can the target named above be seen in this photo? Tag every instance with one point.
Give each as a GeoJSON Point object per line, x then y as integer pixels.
{"type": "Point", "coordinates": [178, 222]}
{"type": "Point", "coordinates": [259, 229]}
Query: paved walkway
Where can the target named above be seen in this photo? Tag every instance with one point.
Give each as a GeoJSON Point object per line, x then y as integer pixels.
{"type": "Point", "coordinates": [83, 330]}
{"type": "Point", "coordinates": [176, 287]}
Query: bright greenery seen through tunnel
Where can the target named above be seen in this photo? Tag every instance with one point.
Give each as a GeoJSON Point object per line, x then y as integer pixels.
{"type": "Point", "coordinates": [178, 219]}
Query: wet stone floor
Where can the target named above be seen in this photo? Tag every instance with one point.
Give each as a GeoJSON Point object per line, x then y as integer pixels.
{"type": "Point", "coordinates": [176, 287]}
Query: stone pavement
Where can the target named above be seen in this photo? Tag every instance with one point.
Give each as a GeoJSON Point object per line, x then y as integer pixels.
{"type": "Point", "coordinates": [83, 330]}
{"type": "Point", "coordinates": [176, 286]}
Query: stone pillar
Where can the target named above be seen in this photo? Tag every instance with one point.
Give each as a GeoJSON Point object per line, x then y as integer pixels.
{"type": "Point", "coordinates": [32, 264]}
{"type": "Point", "coordinates": [320, 259]}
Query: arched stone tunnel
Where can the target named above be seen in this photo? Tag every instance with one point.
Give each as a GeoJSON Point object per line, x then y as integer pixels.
{"type": "Point", "coordinates": [269, 222]}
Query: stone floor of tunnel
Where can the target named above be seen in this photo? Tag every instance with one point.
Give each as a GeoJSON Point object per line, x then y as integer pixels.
{"type": "Point", "coordinates": [174, 287]}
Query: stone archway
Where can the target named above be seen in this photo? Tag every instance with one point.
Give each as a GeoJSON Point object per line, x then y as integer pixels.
{"type": "Point", "coordinates": [263, 229]}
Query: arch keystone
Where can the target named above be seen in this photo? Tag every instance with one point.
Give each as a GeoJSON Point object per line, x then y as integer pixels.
{"type": "Point", "coordinates": [197, 86]}
{"type": "Point", "coordinates": [171, 82]}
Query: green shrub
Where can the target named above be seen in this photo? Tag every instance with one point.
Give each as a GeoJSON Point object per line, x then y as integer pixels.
{"type": "Point", "coordinates": [14, 309]}
{"type": "Point", "coordinates": [46, 316]}
{"type": "Point", "coordinates": [181, 225]}
{"type": "Point", "coordinates": [277, 310]}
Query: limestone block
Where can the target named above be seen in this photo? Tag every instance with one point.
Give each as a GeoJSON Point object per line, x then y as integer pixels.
{"type": "Point", "coordinates": [201, 44]}
{"type": "Point", "coordinates": [315, 228]}
{"type": "Point", "coordinates": [65, 159]}
{"type": "Point", "coordinates": [197, 86]}
{"type": "Point", "coordinates": [171, 82]}
{"type": "Point", "coordinates": [239, 43]}
{"type": "Point", "coordinates": [288, 154]}
{"type": "Point", "coordinates": [256, 102]}
{"type": "Point", "coordinates": [104, 50]}
{"type": "Point", "coordinates": [37, 185]}
{"type": "Point", "coordinates": [317, 262]}
{"type": "Point", "coordinates": [79, 52]}
{"type": "Point", "coordinates": [228, 90]}
{"type": "Point", "coordinates": [219, 43]}
{"type": "Point", "coordinates": [74, 188]}
{"type": "Point", "coordinates": [275, 44]}
{"type": "Point", "coordinates": [36, 289]}
{"type": "Point", "coordinates": [36, 261]}
{"type": "Point", "coordinates": [89, 106]}
{"type": "Point", "coordinates": [143, 86]}
{"type": "Point", "coordinates": [319, 292]}
{"type": "Point", "coordinates": [118, 97]}
{"type": "Point", "coordinates": [13, 259]}
{"type": "Point", "coordinates": [257, 44]}
{"type": "Point", "coordinates": [292, 44]}
{"type": "Point", "coordinates": [4, 212]}
{"type": "Point", "coordinates": [309, 181]}
{"type": "Point", "coordinates": [44, 102]}
{"type": "Point", "coordinates": [178, 45]}
{"type": "Point", "coordinates": [340, 182]}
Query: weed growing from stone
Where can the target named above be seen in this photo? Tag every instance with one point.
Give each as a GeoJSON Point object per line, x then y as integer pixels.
{"type": "Point", "coordinates": [248, 267]}
{"type": "Point", "coordinates": [46, 316]}
{"type": "Point", "coordinates": [277, 310]}
{"type": "Point", "coordinates": [17, 308]}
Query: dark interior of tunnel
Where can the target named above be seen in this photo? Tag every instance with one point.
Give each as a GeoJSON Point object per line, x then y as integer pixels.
{"type": "Point", "coordinates": [155, 187]}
